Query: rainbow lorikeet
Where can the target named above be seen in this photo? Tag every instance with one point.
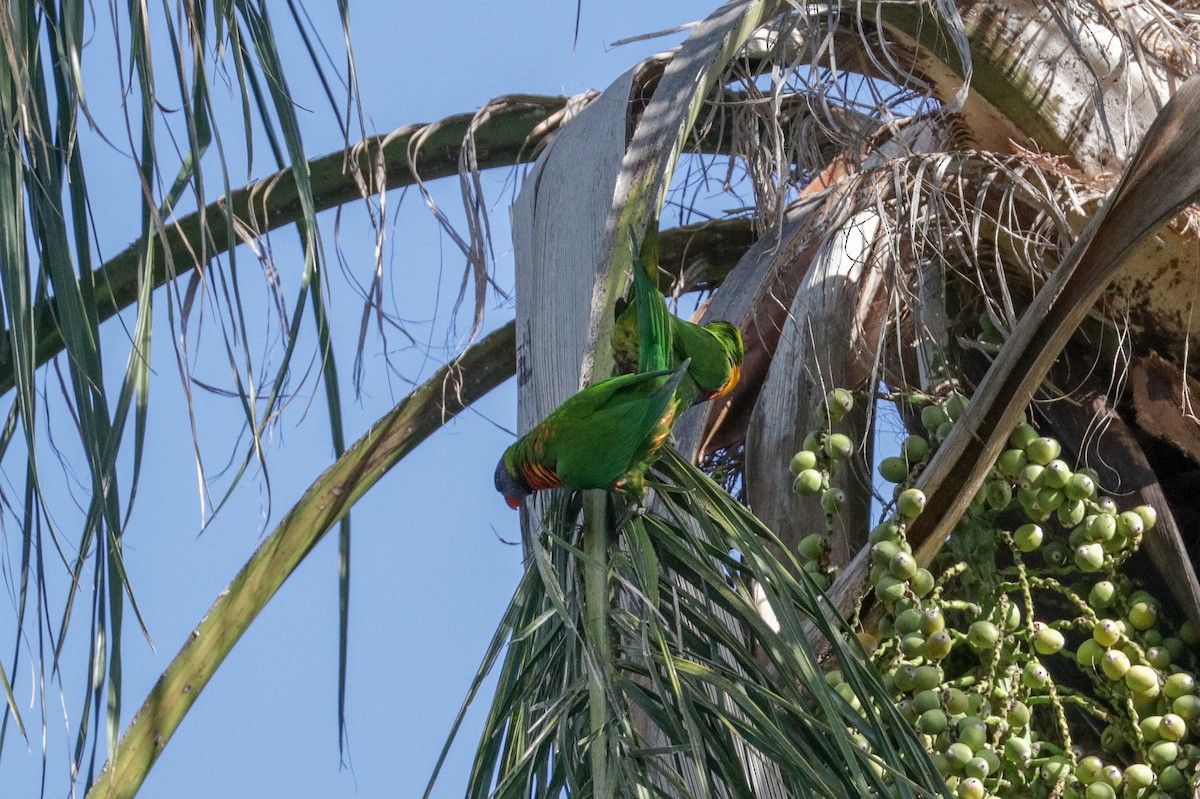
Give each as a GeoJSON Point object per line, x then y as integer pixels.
{"type": "Point", "coordinates": [646, 336]}
{"type": "Point", "coordinates": [604, 436]}
{"type": "Point", "coordinates": [715, 350]}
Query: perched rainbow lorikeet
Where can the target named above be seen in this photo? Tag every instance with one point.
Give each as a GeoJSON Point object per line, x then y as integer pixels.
{"type": "Point", "coordinates": [716, 349]}
{"type": "Point", "coordinates": [602, 437]}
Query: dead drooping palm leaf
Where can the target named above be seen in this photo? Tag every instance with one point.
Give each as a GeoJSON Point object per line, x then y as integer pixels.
{"type": "Point", "coordinates": [1163, 177]}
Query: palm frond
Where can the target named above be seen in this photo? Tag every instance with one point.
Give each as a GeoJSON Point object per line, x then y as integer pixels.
{"type": "Point", "coordinates": [327, 501]}
{"type": "Point", "coordinates": [700, 690]}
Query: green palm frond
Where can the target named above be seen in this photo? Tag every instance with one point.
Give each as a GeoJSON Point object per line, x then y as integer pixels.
{"type": "Point", "coordinates": [54, 296]}
{"type": "Point", "coordinates": [701, 691]}
{"type": "Point", "coordinates": [326, 502]}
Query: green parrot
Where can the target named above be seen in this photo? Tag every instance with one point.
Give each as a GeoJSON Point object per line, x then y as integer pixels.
{"type": "Point", "coordinates": [605, 436]}
{"type": "Point", "coordinates": [715, 350]}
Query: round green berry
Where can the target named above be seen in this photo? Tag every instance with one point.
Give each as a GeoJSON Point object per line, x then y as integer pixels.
{"type": "Point", "coordinates": [1178, 684]}
{"type": "Point", "coordinates": [1163, 753]}
{"type": "Point", "coordinates": [922, 582]}
{"type": "Point", "coordinates": [1022, 436]}
{"type": "Point", "coordinates": [1172, 727]}
{"type": "Point", "coordinates": [1056, 553]}
{"type": "Point", "coordinates": [1115, 664]}
{"type": "Point", "coordinates": [1057, 474]}
{"type": "Point", "coordinates": [1102, 594]}
{"type": "Point", "coordinates": [907, 621]}
{"type": "Point", "coordinates": [887, 531]}
{"type": "Point", "coordinates": [926, 677]}
{"type": "Point", "coordinates": [1170, 780]}
{"type": "Point", "coordinates": [911, 646]}
{"type": "Point", "coordinates": [1047, 640]}
{"type": "Point", "coordinates": [1080, 486]}
{"type": "Point", "coordinates": [932, 722]}
{"type": "Point", "coordinates": [999, 494]}
{"type": "Point", "coordinates": [832, 500]}
{"type": "Point", "coordinates": [1089, 557]}
{"type": "Point", "coordinates": [1149, 515]}
{"type": "Point", "coordinates": [977, 767]}
{"type": "Point", "coordinates": [808, 483]}
{"type": "Point", "coordinates": [958, 754]}
{"type": "Point", "coordinates": [1089, 654]}
{"type": "Point", "coordinates": [888, 588]}
{"type": "Point", "coordinates": [1034, 675]}
{"type": "Point", "coordinates": [1138, 776]}
{"type": "Point", "coordinates": [1031, 477]}
{"type": "Point", "coordinates": [1141, 679]}
{"type": "Point", "coordinates": [1017, 750]}
{"type": "Point", "coordinates": [1143, 615]}
{"type": "Point", "coordinates": [972, 731]}
{"type": "Point", "coordinates": [971, 788]}
{"type": "Point", "coordinates": [933, 417]}
{"type": "Point", "coordinates": [1158, 657]}
{"type": "Point", "coordinates": [802, 460]}
{"type": "Point", "coordinates": [902, 565]}
{"type": "Point", "coordinates": [1028, 537]}
{"type": "Point", "coordinates": [1100, 790]}
{"type": "Point", "coordinates": [1186, 707]}
{"type": "Point", "coordinates": [1071, 512]}
{"type": "Point", "coordinates": [911, 502]}
{"type": "Point", "coordinates": [1055, 769]}
{"type": "Point", "coordinates": [1100, 527]}
{"type": "Point", "coordinates": [839, 402]}
{"type": "Point", "coordinates": [955, 406]}
{"type": "Point", "coordinates": [983, 635]}
{"type": "Point", "coordinates": [811, 547]}
{"type": "Point", "coordinates": [932, 621]}
{"type": "Point", "coordinates": [893, 469]}
{"type": "Point", "coordinates": [938, 645]}
{"type": "Point", "coordinates": [955, 700]}
{"type": "Point", "coordinates": [1042, 450]}
{"type": "Point", "coordinates": [1011, 462]}
{"type": "Point", "coordinates": [926, 700]}
{"type": "Point", "coordinates": [839, 446]}
{"type": "Point", "coordinates": [882, 552]}
{"type": "Point", "coordinates": [1130, 525]}
{"type": "Point", "coordinates": [1106, 632]}
{"type": "Point", "coordinates": [915, 448]}
{"type": "Point", "coordinates": [1018, 715]}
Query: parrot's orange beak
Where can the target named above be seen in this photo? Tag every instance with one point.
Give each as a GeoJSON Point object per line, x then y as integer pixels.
{"type": "Point", "coordinates": [513, 502]}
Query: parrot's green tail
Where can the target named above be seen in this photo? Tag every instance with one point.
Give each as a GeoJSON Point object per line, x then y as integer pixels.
{"type": "Point", "coordinates": [654, 321]}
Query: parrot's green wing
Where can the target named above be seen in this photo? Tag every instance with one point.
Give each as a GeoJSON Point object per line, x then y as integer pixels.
{"type": "Point", "coordinates": [594, 438]}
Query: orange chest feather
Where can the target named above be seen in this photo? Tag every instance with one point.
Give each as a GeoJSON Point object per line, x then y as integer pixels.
{"type": "Point", "coordinates": [536, 475]}
{"type": "Point", "coordinates": [735, 374]}
{"type": "Point", "coordinates": [539, 477]}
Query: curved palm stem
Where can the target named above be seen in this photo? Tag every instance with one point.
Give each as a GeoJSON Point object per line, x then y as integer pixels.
{"type": "Point", "coordinates": [509, 136]}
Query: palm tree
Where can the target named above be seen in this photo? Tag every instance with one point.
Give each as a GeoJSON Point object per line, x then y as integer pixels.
{"type": "Point", "coordinates": [914, 168]}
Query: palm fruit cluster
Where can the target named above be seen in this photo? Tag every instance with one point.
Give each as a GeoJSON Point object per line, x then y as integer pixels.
{"type": "Point", "coordinates": [1026, 657]}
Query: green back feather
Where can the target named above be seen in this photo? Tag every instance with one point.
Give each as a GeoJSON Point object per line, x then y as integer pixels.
{"type": "Point", "coordinates": [596, 435]}
{"type": "Point", "coordinates": [714, 349]}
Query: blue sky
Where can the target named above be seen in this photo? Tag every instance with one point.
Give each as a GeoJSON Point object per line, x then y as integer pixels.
{"type": "Point", "coordinates": [431, 569]}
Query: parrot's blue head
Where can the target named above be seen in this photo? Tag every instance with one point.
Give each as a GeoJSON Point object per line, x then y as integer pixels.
{"type": "Point", "coordinates": [512, 486]}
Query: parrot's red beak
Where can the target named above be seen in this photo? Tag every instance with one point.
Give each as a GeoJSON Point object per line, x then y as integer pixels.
{"type": "Point", "coordinates": [513, 502]}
